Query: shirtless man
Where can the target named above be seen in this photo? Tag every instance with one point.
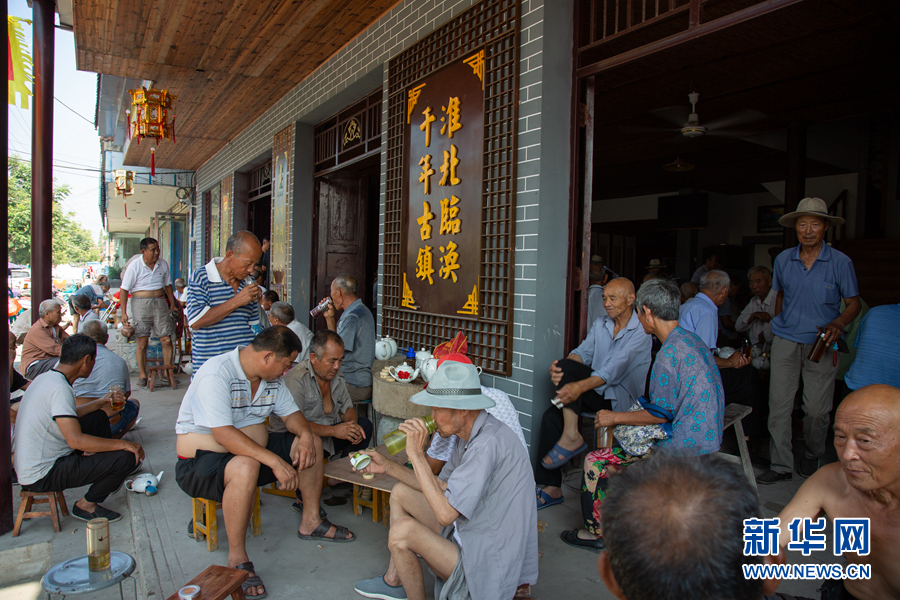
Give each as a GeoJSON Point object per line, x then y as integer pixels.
{"type": "Point", "coordinates": [865, 484]}
{"type": "Point", "coordinates": [225, 452]}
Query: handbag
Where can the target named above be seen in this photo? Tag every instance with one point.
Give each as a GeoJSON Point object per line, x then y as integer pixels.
{"type": "Point", "coordinates": [636, 440]}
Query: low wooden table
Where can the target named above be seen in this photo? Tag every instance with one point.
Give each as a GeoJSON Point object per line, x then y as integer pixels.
{"type": "Point", "coordinates": [217, 583]}
{"type": "Point", "coordinates": [381, 485]}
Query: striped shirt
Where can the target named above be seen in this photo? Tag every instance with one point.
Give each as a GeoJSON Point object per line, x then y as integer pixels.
{"type": "Point", "coordinates": [220, 396]}
{"type": "Point", "coordinates": [209, 290]}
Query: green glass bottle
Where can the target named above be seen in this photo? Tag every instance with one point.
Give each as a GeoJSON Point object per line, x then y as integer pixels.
{"type": "Point", "coordinates": [396, 440]}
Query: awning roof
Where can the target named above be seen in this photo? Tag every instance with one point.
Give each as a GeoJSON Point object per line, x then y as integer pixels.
{"type": "Point", "coordinates": [227, 62]}
{"type": "Point", "coordinates": [142, 207]}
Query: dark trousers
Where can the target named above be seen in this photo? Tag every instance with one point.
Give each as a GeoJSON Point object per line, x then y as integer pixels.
{"type": "Point", "coordinates": [343, 448]}
{"type": "Point", "coordinates": [743, 386]}
{"type": "Point", "coordinates": [104, 471]}
{"type": "Point", "coordinates": [552, 422]}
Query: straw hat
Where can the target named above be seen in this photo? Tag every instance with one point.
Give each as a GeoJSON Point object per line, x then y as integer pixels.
{"type": "Point", "coordinates": [454, 385]}
{"type": "Point", "coordinates": [656, 264]}
{"type": "Point", "coordinates": [810, 207]}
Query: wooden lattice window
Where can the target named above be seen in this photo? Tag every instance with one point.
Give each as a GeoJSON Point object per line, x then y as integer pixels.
{"type": "Point", "coordinates": [492, 25]}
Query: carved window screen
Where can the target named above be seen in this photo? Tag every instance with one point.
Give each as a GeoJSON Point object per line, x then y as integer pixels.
{"type": "Point", "coordinates": [493, 25]}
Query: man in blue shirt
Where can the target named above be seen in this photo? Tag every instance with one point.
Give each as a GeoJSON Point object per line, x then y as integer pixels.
{"type": "Point", "coordinates": [877, 353]}
{"type": "Point", "coordinates": [607, 371]}
{"type": "Point", "coordinates": [810, 280]}
{"type": "Point", "coordinates": [357, 329]}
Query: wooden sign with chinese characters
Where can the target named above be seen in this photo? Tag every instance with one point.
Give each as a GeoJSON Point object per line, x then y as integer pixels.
{"type": "Point", "coordinates": [444, 151]}
{"type": "Point", "coordinates": [281, 212]}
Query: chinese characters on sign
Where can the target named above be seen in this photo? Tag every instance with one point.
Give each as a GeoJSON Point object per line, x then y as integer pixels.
{"type": "Point", "coordinates": [762, 536]}
{"type": "Point", "coordinates": [444, 149]}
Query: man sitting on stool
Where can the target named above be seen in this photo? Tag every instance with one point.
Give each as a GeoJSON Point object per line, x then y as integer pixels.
{"type": "Point", "coordinates": [225, 452]}
{"type": "Point", "coordinates": [40, 350]}
{"type": "Point", "coordinates": [52, 435]}
{"type": "Point", "coordinates": [320, 391]}
{"type": "Point", "coordinates": [607, 371]}
{"type": "Point", "coordinates": [109, 369]}
{"type": "Point", "coordinates": [81, 306]}
{"type": "Point", "coordinates": [282, 313]}
{"type": "Point", "coordinates": [481, 501]}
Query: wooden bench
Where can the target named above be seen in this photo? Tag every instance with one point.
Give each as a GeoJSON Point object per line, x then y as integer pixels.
{"type": "Point", "coordinates": [734, 416]}
{"type": "Point", "coordinates": [381, 485]}
{"type": "Point", "coordinates": [204, 516]}
{"type": "Point", "coordinates": [217, 583]}
{"type": "Point", "coordinates": [160, 369]}
{"type": "Point", "coordinates": [28, 499]}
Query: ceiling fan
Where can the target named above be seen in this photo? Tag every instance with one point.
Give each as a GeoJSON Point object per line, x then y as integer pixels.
{"type": "Point", "coordinates": [694, 128]}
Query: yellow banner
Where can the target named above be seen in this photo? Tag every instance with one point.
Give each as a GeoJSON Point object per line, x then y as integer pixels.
{"type": "Point", "coordinates": [19, 62]}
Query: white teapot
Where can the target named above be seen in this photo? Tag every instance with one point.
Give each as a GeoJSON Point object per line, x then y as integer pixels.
{"type": "Point", "coordinates": [403, 373]}
{"type": "Point", "coordinates": [429, 368]}
{"type": "Point", "coordinates": [422, 357]}
{"type": "Point", "coordinates": [382, 350]}
{"type": "Point", "coordinates": [145, 483]}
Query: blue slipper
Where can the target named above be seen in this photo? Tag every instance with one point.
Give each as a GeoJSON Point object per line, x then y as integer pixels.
{"type": "Point", "coordinates": [562, 456]}
{"type": "Point", "coordinates": [544, 500]}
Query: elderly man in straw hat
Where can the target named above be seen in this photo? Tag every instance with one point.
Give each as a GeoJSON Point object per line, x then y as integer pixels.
{"type": "Point", "coordinates": [474, 524]}
{"type": "Point", "coordinates": [810, 280]}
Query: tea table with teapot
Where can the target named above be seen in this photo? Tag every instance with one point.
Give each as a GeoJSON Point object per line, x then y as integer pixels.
{"type": "Point", "coordinates": [391, 394]}
{"type": "Point", "coordinates": [381, 485]}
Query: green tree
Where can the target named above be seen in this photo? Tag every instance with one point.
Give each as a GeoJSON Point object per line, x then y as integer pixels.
{"type": "Point", "coordinates": [72, 243]}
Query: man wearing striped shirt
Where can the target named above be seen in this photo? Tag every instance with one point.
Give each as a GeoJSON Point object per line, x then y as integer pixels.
{"type": "Point", "coordinates": [222, 308]}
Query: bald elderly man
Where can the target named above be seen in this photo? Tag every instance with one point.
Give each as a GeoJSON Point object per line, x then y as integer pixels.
{"type": "Point", "coordinates": [607, 371]}
{"type": "Point", "coordinates": [865, 484]}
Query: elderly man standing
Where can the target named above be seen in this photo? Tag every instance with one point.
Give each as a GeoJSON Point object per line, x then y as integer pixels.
{"type": "Point", "coordinates": [225, 452]}
{"type": "Point", "coordinates": [222, 307]}
{"type": "Point", "coordinates": [282, 313]}
{"type": "Point", "coordinates": [607, 371]}
{"type": "Point", "coordinates": [810, 281]}
{"type": "Point", "coordinates": [319, 389]}
{"type": "Point", "coordinates": [864, 485]}
{"type": "Point", "coordinates": [110, 370]}
{"type": "Point", "coordinates": [481, 501]}
{"type": "Point", "coordinates": [757, 317]}
{"type": "Point", "coordinates": [40, 350]}
{"type": "Point", "coordinates": [357, 328]}
{"type": "Point", "coordinates": [149, 283]}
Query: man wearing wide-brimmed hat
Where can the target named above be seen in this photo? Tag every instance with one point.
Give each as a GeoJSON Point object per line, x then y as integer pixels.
{"type": "Point", "coordinates": [810, 280]}
{"type": "Point", "coordinates": [474, 523]}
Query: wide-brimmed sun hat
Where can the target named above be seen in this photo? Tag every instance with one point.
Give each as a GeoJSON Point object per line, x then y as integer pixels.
{"type": "Point", "coordinates": [810, 207]}
{"type": "Point", "coordinates": [454, 385]}
{"type": "Point", "coordinates": [655, 263]}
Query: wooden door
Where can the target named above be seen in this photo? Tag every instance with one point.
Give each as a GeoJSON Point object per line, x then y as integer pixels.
{"type": "Point", "coordinates": [341, 248]}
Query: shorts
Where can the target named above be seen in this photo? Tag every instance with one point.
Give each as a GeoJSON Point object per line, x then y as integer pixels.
{"type": "Point", "coordinates": [128, 414]}
{"type": "Point", "coordinates": [151, 315]}
{"type": "Point", "coordinates": [456, 587]}
{"type": "Point", "coordinates": [204, 475]}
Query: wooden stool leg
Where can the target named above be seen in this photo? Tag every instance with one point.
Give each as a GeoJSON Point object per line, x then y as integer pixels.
{"type": "Point", "coordinates": [151, 379]}
{"type": "Point", "coordinates": [197, 510]}
{"type": "Point", "coordinates": [61, 500]}
{"type": "Point", "coordinates": [24, 506]}
{"type": "Point", "coordinates": [745, 454]}
{"type": "Point", "coordinates": [54, 515]}
{"type": "Point", "coordinates": [385, 508]}
{"type": "Point", "coordinates": [376, 505]}
{"type": "Point", "coordinates": [212, 534]}
{"type": "Point", "coordinates": [357, 509]}
{"type": "Point", "coordinates": [255, 527]}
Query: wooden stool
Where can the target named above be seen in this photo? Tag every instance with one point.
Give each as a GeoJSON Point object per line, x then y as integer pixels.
{"type": "Point", "coordinates": [217, 583]}
{"type": "Point", "coordinates": [385, 508]}
{"type": "Point", "coordinates": [163, 370]}
{"type": "Point", "coordinates": [51, 498]}
{"type": "Point", "coordinates": [734, 415]}
{"type": "Point", "coordinates": [374, 503]}
{"type": "Point", "coordinates": [207, 508]}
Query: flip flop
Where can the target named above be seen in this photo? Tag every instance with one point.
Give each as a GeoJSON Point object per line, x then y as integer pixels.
{"type": "Point", "coordinates": [570, 537]}
{"type": "Point", "coordinates": [562, 456]}
{"type": "Point", "coordinates": [544, 500]}
{"type": "Point", "coordinates": [142, 382]}
{"type": "Point", "coordinates": [319, 532]}
{"type": "Point", "coordinates": [251, 582]}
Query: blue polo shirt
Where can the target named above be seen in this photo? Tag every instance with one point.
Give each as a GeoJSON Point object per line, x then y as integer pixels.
{"type": "Point", "coordinates": [700, 315]}
{"type": "Point", "coordinates": [812, 297]}
{"type": "Point", "coordinates": [877, 356]}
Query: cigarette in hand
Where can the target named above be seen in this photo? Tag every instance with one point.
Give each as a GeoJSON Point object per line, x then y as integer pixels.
{"type": "Point", "coordinates": [557, 403]}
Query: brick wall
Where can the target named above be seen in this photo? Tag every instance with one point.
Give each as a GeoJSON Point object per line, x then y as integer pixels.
{"type": "Point", "coordinates": [402, 27]}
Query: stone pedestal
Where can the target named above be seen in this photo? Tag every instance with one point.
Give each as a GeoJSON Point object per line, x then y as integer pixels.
{"type": "Point", "coordinates": [390, 399]}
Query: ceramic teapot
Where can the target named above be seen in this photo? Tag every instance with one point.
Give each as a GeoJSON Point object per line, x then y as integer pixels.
{"type": "Point", "coordinates": [403, 373]}
{"type": "Point", "coordinates": [145, 483]}
{"type": "Point", "coordinates": [382, 350]}
{"type": "Point", "coordinates": [422, 357]}
{"type": "Point", "coordinates": [429, 368]}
